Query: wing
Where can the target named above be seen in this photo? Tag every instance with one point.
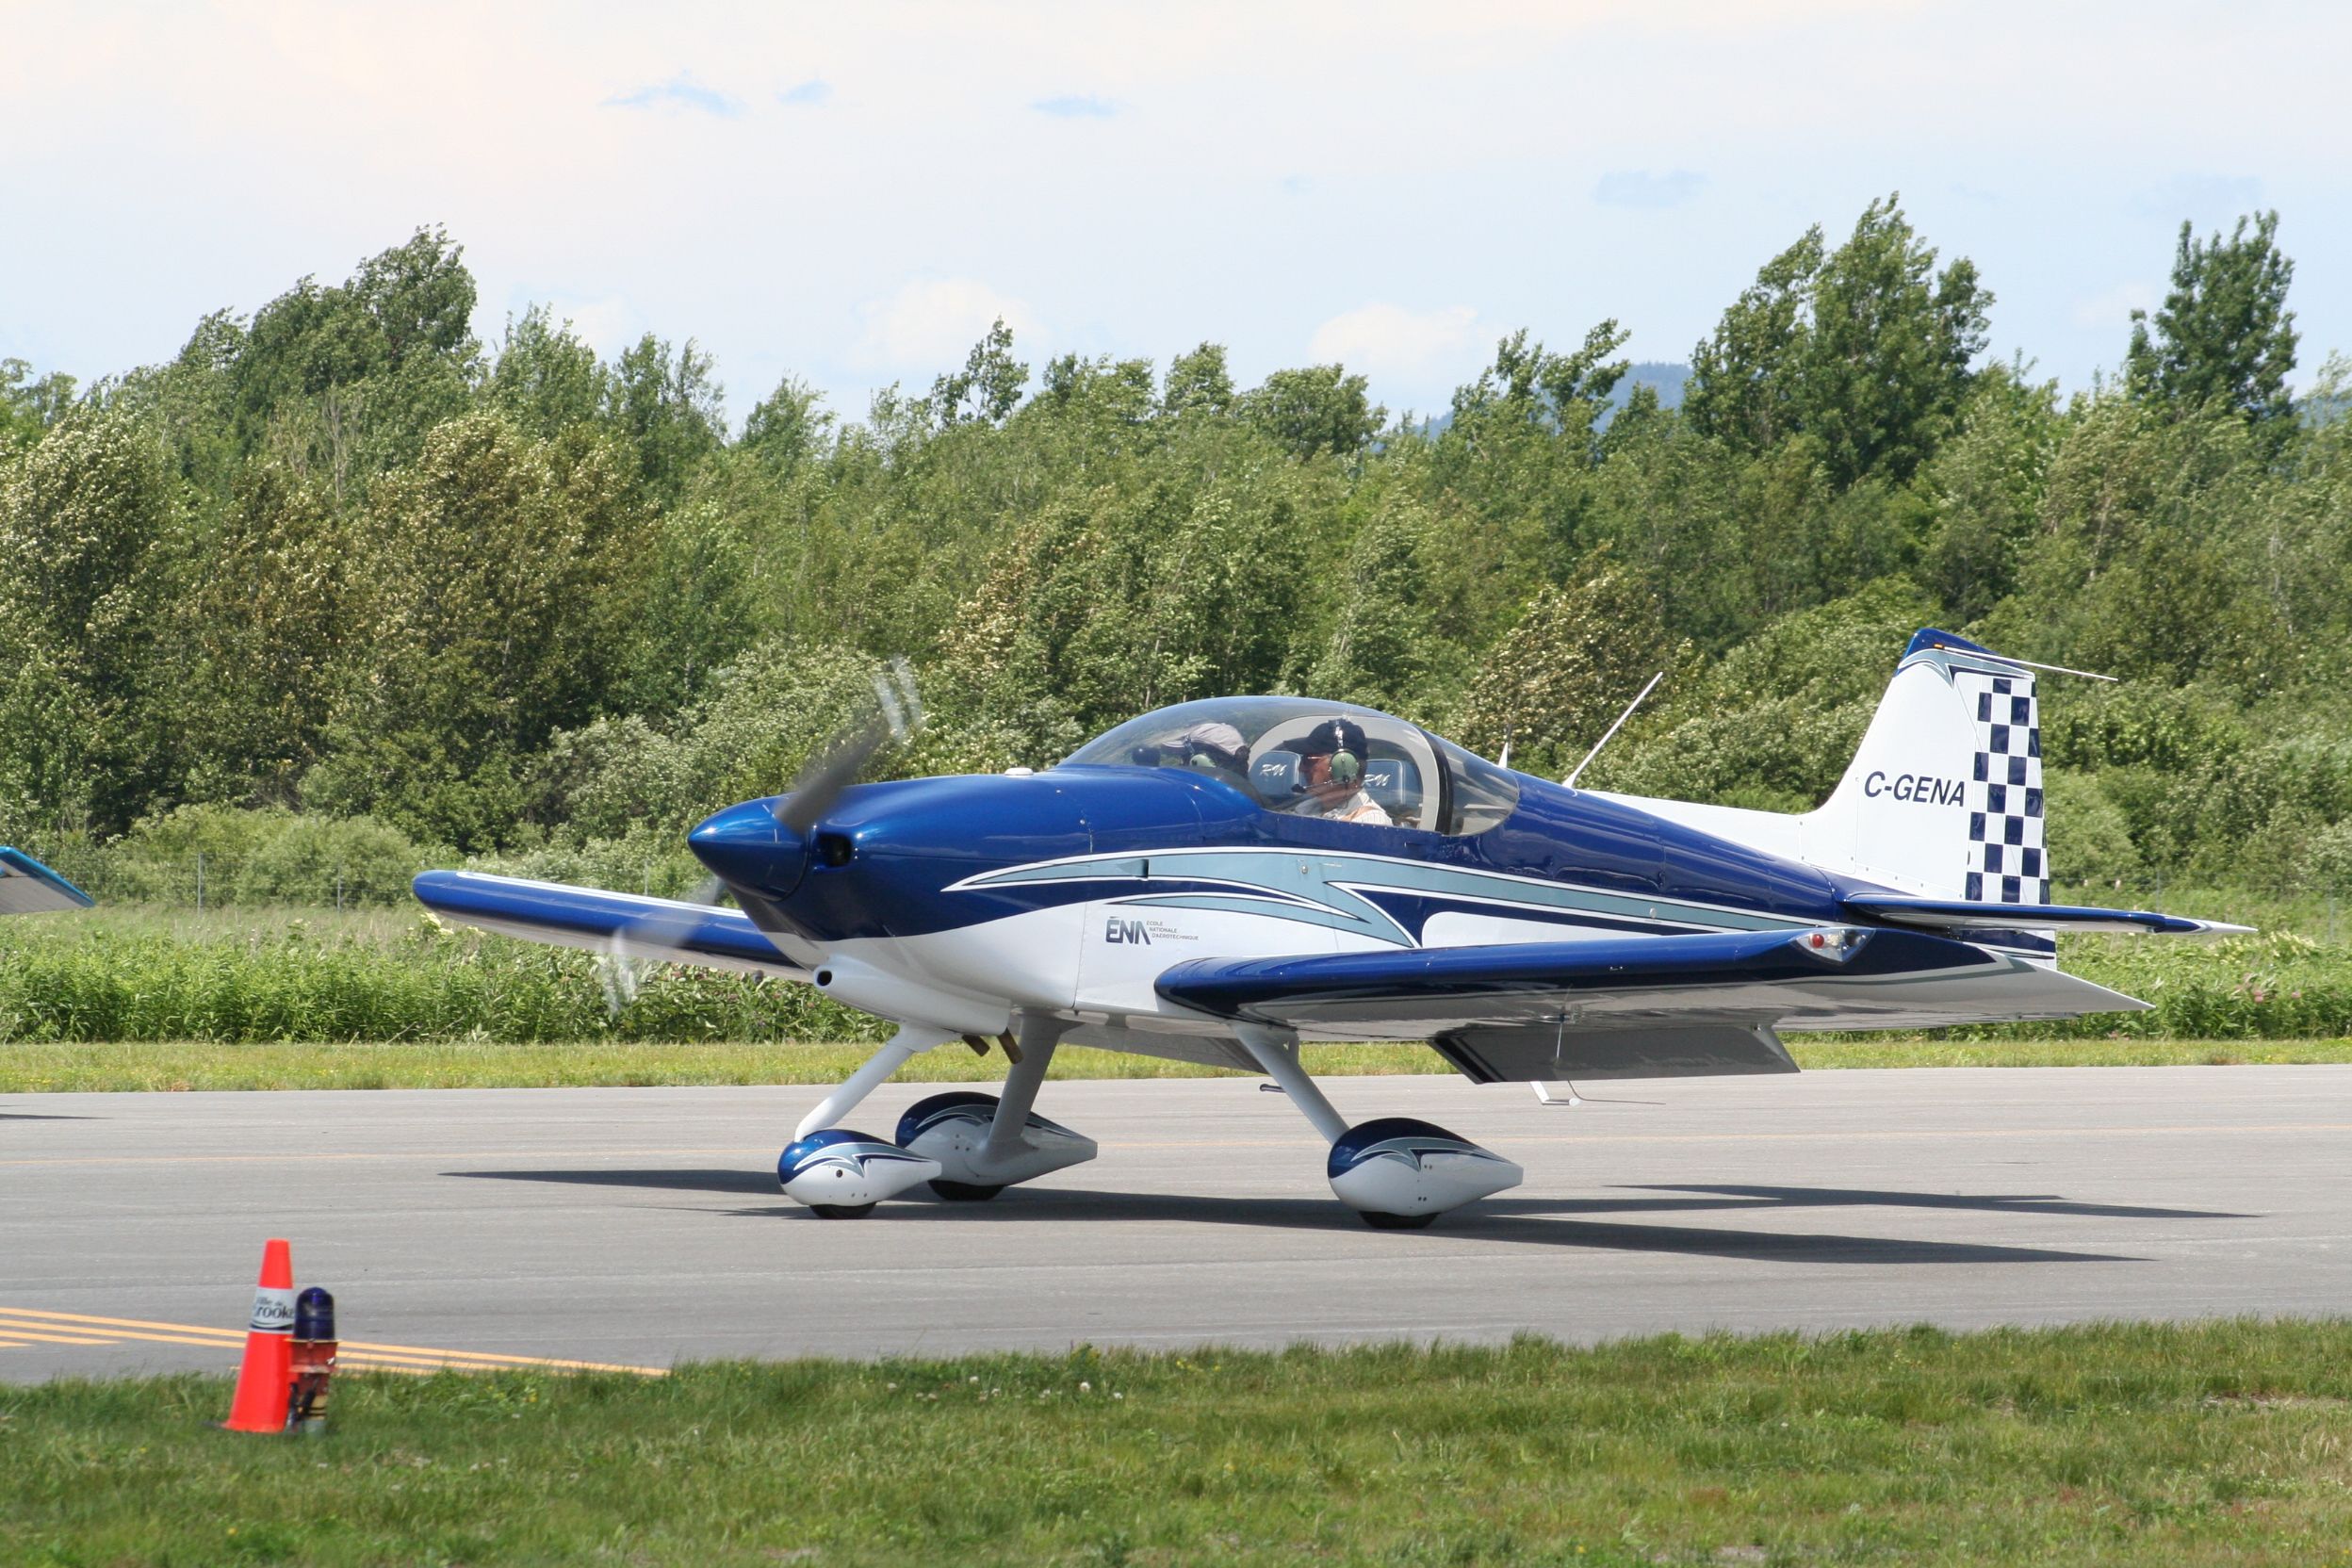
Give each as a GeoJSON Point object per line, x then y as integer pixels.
{"type": "Point", "coordinates": [1938, 914]}
{"type": "Point", "coordinates": [564, 916]}
{"type": "Point", "coordinates": [28, 887]}
{"type": "Point", "coordinates": [1637, 1007]}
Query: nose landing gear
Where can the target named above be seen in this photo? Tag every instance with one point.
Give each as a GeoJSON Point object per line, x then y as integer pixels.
{"type": "Point", "coordinates": [967, 1145]}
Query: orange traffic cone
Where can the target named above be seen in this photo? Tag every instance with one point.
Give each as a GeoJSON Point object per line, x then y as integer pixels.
{"type": "Point", "coordinates": [266, 1380]}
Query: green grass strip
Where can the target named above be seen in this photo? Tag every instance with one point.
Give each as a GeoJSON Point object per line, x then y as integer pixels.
{"type": "Point", "coordinates": [2207, 1444]}
{"type": "Point", "coordinates": [43, 1068]}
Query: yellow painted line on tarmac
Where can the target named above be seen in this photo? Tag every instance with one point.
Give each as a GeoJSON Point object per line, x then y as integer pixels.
{"type": "Point", "coordinates": [325, 1156]}
{"type": "Point", "coordinates": [27, 1320]}
{"type": "Point", "coordinates": [1859, 1134]}
{"type": "Point", "coordinates": [16, 1332]}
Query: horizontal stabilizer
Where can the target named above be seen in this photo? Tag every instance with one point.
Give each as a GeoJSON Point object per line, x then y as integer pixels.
{"type": "Point", "coordinates": [28, 887]}
{"type": "Point", "coordinates": [1939, 914]}
{"type": "Point", "coordinates": [661, 929]}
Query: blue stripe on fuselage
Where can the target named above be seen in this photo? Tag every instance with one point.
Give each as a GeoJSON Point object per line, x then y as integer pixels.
{"type": "Point", "coordinates": [941, 854]}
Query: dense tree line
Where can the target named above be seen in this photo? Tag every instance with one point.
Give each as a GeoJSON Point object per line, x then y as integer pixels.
{"type": "Point", "coordinates": [341, 562]}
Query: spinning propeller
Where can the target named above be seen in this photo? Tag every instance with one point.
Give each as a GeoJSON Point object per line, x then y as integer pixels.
{"type": "Point", "coordinates": [635, 948]}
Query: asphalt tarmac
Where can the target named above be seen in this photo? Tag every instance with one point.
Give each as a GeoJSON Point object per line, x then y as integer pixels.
{"type": "Point", "coordinates": [642, 1227]}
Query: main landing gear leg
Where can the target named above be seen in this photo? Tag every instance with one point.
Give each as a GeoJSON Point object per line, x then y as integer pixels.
{"type": "Point", "coordinates": [1039, 1034]}
{"type": "Point", "coordinates": [901, 1047]}
{"type": "Point", "coordinates": [1400, 1174]}
{"type": "Point", "coordinates": [841, 1175]}
{"type": "Point", "coordinates": [984, 1143]}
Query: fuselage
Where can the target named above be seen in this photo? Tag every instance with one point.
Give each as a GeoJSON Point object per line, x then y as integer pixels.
{"type": "Point", "coordinates": [1073, 888]}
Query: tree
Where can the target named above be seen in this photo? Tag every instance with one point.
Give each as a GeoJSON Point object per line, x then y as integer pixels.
{"type": "Point", "coordinates": [546, 379]}
{"type": "Point", "coordinates": [1746, 382]}
{"type": "Point", "coordinates": [1199, 381]}
{"type": "Point", "coordinates": [987, 387]}
{"type": "Point", "coordinates": [1986, 483]}
{"type": "Point", "coordinates": [83, 710]}
{"type": "Point", "coordinates": [344, 381]}
{"type": "Point", "coordinates": [2224, 337]}
{"type": "Point", "coordinates": [263, 635]}
{"type": "Point", "coordinates": [1550, 685]}
{"type": "Point", "coordinates": [1378, 645]}
{"type": "Point", "coordinates": [666, 405]}
{"type": "Point", "coordinates": [1318, 409]}
{"type": "Point", "coordinates": [28, 407]}
{"type": "Point", "coordinates": [1520, 445]}
{"type": "Point", "coordinates": [502, 576]}
{"type": "Point", "coordinates": [787, 428]}
{"type": "Point", "coordinates": [1862, 350]}
{"type": "Point", "coordinates": [699, 606]}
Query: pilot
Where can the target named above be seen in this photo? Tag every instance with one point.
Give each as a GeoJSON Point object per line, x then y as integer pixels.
{"type": "Point", "coordinates": [1330, 776]}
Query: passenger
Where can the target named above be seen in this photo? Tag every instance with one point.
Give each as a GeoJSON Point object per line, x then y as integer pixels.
{"type": "Point", "coordinates": [1330, 776]}
{"type": "Point", "coordinates": [1207, 747]}
{"type": "Point", "coordinates": [1215, 747]}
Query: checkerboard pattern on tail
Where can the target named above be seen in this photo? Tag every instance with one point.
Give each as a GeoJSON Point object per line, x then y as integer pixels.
{"type": "Point", "coordinates": [2007, 860]}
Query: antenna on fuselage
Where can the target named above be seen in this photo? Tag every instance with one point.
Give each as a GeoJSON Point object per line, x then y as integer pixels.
{"type": "Point", "coordinates": [1570, 780]}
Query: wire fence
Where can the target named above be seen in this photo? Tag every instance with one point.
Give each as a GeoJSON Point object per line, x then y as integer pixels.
{"type": "Point", "coordinates": [209, 881]}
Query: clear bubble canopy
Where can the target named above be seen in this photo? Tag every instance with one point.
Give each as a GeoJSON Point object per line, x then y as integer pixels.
{"type": "Point", "coordinates": [1259, 746]}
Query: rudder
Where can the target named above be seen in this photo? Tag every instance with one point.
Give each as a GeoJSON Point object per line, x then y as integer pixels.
{"type": "Point", "coordinates": [1944, 796]}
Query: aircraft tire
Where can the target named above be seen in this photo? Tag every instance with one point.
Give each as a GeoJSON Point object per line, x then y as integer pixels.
{"type": "Point", "coordinates": [841, 1211]}
{"type": "Point", "coordinates": [964, 1192]}
{"type": "Point", "coordinates": [1380, 1222]}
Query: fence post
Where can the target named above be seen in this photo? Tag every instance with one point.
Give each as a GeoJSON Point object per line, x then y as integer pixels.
{"type": "Point", "coordinates": [338, 893]}
{"type": "Point", "coordinates": [199, 881]}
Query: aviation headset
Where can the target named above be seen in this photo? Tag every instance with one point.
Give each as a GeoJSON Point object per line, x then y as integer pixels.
{"type": "Point", "coordinates": [1347, 765]}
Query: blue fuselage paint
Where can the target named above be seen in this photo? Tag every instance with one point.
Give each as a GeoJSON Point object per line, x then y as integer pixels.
{"type": "Point", "coordinates": [937, 855]}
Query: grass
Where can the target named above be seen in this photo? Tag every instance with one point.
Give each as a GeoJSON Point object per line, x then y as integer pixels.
{"type": "Point", "coordinates": [139, 997]}
{"type": "Point", "coordinates": [82, 1068]}
{"type": "Point", "coordinates": [2207, 1444]}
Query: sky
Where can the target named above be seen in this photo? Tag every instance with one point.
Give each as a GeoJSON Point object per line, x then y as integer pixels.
{"type": "Point", "coordinates": [850, 194]}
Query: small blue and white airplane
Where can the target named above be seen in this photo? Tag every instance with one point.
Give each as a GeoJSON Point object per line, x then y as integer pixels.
{"type": "Point", "coordinates": [1213, 881]}
{"type": "Point", "coordinates": [29, 888]}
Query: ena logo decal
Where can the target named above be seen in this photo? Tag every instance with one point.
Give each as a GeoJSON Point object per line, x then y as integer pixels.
{"type": "Point", "coordinates": [1918, 788]}
{"type": "Point", "coordinates": [1117, 930]}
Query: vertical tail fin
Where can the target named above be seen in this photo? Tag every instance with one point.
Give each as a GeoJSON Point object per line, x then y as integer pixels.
{"type": "Point", "coordinates": [1944, 797]}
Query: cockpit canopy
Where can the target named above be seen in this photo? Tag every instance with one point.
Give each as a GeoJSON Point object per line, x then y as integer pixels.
{"type": "Point", "coordinates": [1260, 747]}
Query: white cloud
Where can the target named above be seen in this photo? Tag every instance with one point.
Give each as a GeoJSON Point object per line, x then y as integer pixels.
{"type": "Point", "coordinates": [2201, 198]}
{"type": "Point", "coordinates": [1076, 106]}
{"type": "Point", "coordinates": [1269, 166]}
{"type": "Point", "coordinates": [2113, 307]}
{"type": "Point", "coordinates": [1391, 341]}
{"type": "Point", "coordinates": [930, 324]}
{"type": "Point", "coordinates": [1638, 187]}
{"type": "Point", "coordinates": [681, 91]}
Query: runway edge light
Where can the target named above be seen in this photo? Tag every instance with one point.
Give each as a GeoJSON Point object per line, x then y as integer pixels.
{"type": "Point", "coordinates": [265, 1379]}
{"type": "Point", "coordinates": [314, 1363]}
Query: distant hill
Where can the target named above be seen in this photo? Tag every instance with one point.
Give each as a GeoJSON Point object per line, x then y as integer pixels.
{"type": "Point", "coordinates": [1666, 377]}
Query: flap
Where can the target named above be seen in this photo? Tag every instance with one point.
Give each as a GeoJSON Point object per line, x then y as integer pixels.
{"type": "Point", "coordinates": [1819, 978]}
